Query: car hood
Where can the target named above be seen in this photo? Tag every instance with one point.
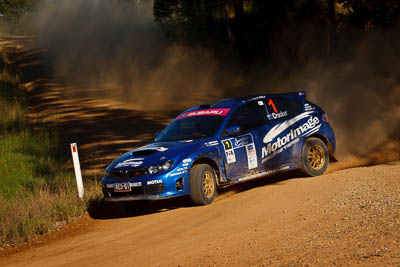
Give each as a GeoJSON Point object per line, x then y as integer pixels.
{"type": "Point", "coordinates": [156, 153]}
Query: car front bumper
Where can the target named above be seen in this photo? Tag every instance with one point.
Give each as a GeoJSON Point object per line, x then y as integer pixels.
{"type": "Point", "coordinates": [146, 187]}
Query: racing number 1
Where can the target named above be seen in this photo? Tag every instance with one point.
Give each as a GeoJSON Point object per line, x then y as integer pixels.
{"type": "Point", "coordinates": [227, 145]}
{"type": "Point", "coordinates": [271, 103]}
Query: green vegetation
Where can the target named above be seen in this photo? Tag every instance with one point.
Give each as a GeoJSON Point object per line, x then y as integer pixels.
{"type": "Point", "coordinates": [36, 187]}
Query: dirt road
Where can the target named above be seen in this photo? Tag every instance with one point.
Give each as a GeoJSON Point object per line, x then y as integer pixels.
{"type": "Point", "coordinates": [346, 217]}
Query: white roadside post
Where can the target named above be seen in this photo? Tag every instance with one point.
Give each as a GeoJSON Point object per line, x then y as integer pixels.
{"type": "Point", "coordinates": [77, 168]}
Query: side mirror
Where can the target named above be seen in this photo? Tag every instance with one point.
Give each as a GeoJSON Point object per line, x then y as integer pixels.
{"type": "Point", "coordinates": [232, 130]}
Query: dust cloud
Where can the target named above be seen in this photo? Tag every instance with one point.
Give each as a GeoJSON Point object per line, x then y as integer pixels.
{"type": "Point", "coordinates": [115, 49]}
{"type": "Point", "coordinates": [361, 95]}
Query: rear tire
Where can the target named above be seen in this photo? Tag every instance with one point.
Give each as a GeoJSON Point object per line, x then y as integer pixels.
{"type": "Point", "coordinates": [202, 184]}
{"type": "Point", "coordinates": [315, 157]}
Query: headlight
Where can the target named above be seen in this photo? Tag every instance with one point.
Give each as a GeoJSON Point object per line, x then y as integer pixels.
{"type": "Point", "coordinates": [106, 173]}
{"type": "Point", "coordinates": [160, 167]}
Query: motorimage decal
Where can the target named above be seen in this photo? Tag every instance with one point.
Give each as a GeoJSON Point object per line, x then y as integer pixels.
{"type": "Point", "coordinates": [275, 146]}
{"type": "Point", "coordinates": [279, 128]}
{"type": "Point", "coordinates": [205, 112]}
{"type": "Point", "coordinates": [130, 163]}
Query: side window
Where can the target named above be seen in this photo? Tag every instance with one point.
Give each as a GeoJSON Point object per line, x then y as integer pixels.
{"type": "Point", "coordinates": [248, 116]}
{"type": "Point", "coordinates": [280, 108]}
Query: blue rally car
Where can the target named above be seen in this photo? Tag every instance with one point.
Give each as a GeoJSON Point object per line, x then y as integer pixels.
{"type": "Point", "coordinates": [222, 143]}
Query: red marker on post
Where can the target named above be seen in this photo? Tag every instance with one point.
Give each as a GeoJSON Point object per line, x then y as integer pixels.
{"type": "Point", "coordinates": [77, 168]}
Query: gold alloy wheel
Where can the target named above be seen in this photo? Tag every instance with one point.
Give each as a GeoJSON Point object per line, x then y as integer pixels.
{"type": "Point", "coordinates": [316, 157]}
{"type": "Point", "coordinates": [208, 184]}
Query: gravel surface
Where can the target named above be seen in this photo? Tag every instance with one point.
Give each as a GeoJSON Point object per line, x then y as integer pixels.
{"type": "Point", "coordinates": [359, 225]}
{"type": "Point", "coordinates": [345, 218]}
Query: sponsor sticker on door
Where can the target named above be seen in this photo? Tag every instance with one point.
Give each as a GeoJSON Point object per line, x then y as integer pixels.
{"type": "Point", "coordinates": [251, 156]}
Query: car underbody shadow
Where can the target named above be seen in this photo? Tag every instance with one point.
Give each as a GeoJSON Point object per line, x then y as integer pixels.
{"type": "Point", "coordinates": [276, 179]}
{"type": "Point", "coordinates": [103, 210]}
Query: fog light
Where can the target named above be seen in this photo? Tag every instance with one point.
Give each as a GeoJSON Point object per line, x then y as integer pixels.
{"type": "Point", "coordinates": [179, 184]}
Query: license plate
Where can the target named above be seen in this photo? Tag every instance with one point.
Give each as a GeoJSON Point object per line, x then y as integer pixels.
{"type": "Point", "coordinates": [122, 187]}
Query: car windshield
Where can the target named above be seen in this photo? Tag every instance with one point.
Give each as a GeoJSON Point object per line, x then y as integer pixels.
{"type": "Point", "coordinates": [191, 128]}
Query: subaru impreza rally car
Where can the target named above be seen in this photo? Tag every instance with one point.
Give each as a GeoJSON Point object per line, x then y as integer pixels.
{"type": "Point", "coordinates": [218, 144]}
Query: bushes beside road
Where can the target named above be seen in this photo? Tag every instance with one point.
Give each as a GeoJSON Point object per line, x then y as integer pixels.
{"type": "Point", "coordinates": [37, 189]}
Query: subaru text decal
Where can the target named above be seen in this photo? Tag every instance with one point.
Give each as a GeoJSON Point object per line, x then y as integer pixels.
{"type": "Point", "coordinates": [205, 112]}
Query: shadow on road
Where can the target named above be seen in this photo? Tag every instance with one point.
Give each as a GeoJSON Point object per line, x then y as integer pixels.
{"type": "Point", "coordinates": [101, 209]}
{"type": "Point", "coordinates": [104, 210]}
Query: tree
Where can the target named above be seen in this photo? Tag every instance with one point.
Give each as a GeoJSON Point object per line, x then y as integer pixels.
{"type": "Point", "coordinates": [16, 8]}
{"type": "Point", "coordinates": [369, 14]}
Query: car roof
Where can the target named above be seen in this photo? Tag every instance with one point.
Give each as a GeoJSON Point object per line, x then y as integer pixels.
{"type": "Point", "coordinates": [232, 102]}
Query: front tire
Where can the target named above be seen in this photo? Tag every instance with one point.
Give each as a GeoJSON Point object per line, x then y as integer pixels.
{"type": "Point", "coordinates": [202, 184]}
{"type": "Point", "coordinates": [315, 157]}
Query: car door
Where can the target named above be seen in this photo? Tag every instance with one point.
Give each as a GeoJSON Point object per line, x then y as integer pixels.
{"type": "Point", "coordinates": [243, 150]}
{"type": "Point", "coordinates": [280, 147]}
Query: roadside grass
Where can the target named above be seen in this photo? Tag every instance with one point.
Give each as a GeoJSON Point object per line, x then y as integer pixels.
{"type": "Point", "coordinates": [37, 189]}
